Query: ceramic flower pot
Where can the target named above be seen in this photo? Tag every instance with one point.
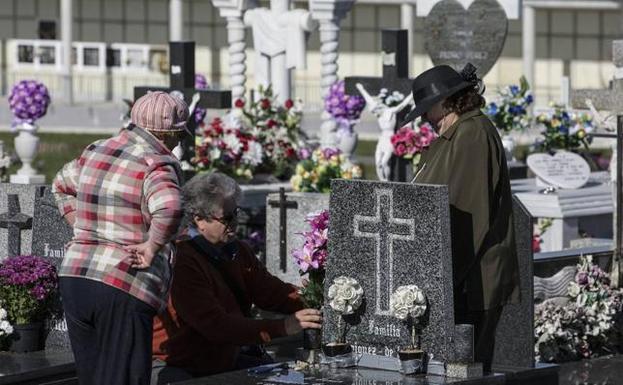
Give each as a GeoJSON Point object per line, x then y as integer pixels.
{"type": "Point", "coordinates": [336, 349]}
{"type": "Point", "coordinates": [412, 361]}
{"type": "Point", "coordinates": [312, 339]}
{"type": "Point", "coordinates": [26, 338]}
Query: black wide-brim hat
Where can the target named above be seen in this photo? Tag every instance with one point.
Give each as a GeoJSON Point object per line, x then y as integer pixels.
{"type": "Point", "coordinates": [436, 84]}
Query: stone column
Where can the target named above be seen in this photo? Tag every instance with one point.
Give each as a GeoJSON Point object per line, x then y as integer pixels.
{"type": "Point", "coordinates": [176, 19]}
{"type": "Point", "coordinates": [407, 11]}
{"type": "Point", "coordinates": [329, 13]}
{"type": "Point", "coordinates": [233, 12]}
{"type": "Point", "coordinates": [528, 39]}
{"type": "Point", "coordinates": [66, 39]}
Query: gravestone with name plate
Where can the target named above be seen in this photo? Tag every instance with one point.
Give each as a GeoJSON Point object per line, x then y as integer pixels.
{"type": "Point", "coordinates": [26, 197]}
{"type": "Point", "coordinates": [564, 169]}
{"type": "Point", "coordinates": [456, 36]}
{"type": "Point", "coordinates": [51, 234]}
{"type": "Point", "coordinates": [386, 235]}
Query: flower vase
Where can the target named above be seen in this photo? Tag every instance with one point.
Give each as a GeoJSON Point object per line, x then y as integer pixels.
{"type": "Point", "coordinates": [26, 146]}
{"type": "Point", "coordinates": [508, 142]}
{"type": "Point", "coordinates": [26, 338]}
{"type": "Point", "coordinates": [334, 349]}
{"type": "Point", "coordinates": [312, 339]}
{"type": "Point", "coordinates": [412, 361]}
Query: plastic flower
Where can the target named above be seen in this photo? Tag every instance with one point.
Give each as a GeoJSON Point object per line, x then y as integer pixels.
{"type": "Point", "coordinates": [315, 172]}
{"type": "Point", "coordinates": [29, 101]}
{"type": "Point", "coordinates": [407, 301]}
{"type": "Point", "coordinates": [563, 130]}
{"type": "Point", "coordinates": [345, 109]}
{"type": "Point", "coordinates": [509, 112]}
{"type": "Point", "coordinates": [345, 295]}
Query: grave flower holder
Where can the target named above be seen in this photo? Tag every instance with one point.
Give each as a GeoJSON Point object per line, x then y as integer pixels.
{"type": "Point", "coordinates": [345, 296]}
{"type": "Point", "coordinates": [408, 304]}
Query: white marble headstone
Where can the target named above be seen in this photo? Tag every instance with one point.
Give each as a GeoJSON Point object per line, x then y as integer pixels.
{"type": "Point", "coordinates": [562, 170]}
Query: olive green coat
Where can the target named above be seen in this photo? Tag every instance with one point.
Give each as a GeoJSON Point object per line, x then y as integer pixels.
{"type": "Point", "coordinates": [470, 160]}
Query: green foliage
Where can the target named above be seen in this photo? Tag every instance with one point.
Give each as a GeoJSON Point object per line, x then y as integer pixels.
{"type": "Point", "coordinates": [313, 292]}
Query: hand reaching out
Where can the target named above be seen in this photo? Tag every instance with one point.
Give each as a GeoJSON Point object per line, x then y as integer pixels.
{"type": "Point", "coordinates": [303, 319]}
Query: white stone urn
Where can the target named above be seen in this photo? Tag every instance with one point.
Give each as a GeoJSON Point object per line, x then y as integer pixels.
{"type": "Point", "coordinates": [26, 147]}
{"type": "Point", "coordinates": [348, 143]}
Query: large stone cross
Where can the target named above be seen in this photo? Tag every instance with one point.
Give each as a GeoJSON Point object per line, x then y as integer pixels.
{"type": "Point", "coordinates": [14, 221]}
{"type": "Point", "coordinates": [182, 79]}
{"type": "Point", "coordinates": [611, 100]}
{"type": "Point", "coordinates": [384, 228]}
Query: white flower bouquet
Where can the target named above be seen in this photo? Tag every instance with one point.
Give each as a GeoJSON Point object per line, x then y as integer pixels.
{"type": "Point", "coordinates": [345, 297]}
{"type": "Point", "coordinates": [408, 303]}
{"type": "Point", "coordinates": [6, 329]}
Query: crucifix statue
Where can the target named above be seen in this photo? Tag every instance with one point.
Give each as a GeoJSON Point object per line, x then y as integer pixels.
{"type": "Point", "coordinates": [279, 39]}
{"type": "Point", "coordinates": [395, 53]}
{"type": "Point", "coordinates": [182, 84]}
{"type": "Point", "coordinates": [610, 100]}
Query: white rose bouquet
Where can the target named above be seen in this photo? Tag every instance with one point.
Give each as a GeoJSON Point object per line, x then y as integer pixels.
{"type": "Point", "coordinates": [345, 296]}
{"type": "Point", "coordinates": [5, 327]}
{"type": "Point", "coordinates": [408, 303]}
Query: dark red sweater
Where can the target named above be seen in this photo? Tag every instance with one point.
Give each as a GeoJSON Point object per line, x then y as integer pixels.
{"type": "Point", "coordinates": [203, 325]}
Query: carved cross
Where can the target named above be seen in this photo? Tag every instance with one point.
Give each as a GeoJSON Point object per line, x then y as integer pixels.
{"type": "Point", "coordinates": [283, 205]}
{"type": "Point", "coordinates": [14, 221]}
{"type": "Point", "coordinates": [384, 228]}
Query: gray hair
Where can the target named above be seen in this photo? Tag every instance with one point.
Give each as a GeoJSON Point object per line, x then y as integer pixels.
{"type": "Point", "coordinates": [206, 192]}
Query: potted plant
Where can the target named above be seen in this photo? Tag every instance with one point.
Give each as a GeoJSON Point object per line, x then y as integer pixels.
{"type": "Point", "coordinates": [316, 170]}
{"type": "Point", "coordinates": [29, 293]}
{"type": "Point", "coordinates": [311, 258]}
{"type": "Point", "coordinates": [345, 110]}
{"type": "Point", "coordinates": [408, 304]}
{"type": "Point", "coordinates": [345, 296]}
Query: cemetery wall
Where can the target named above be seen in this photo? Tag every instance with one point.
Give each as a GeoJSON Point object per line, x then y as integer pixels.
{"type": "Point", "coordinates": [568, 42]}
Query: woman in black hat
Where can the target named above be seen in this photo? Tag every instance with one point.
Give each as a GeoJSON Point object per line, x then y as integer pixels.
{"type": "Point", "coordinates": [469, 158]}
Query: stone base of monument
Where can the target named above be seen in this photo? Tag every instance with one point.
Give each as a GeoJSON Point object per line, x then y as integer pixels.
{"type": "Point", "coordinates": [464, 370]}
{"type": "Point", "coordinates": [27, 179]}
{"type": "Point", "coordinates": [37, 368]}
{"type": "Point", "coordinates": [541, 374]}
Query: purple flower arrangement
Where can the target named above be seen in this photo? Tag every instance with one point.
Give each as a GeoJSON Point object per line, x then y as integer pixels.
{"type": "Point", "coordinates": [345, 109]}
{"type": "Point", "coordinates": [201, 83]}
{"type": "Point", "coordinates": [311, 258]}
{"type": "Point", "coordinates": [28, 288]}
{"type": "Point", "coordinates": [29, 101]}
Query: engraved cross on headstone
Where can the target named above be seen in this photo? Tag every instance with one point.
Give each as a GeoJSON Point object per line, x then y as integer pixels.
{"type": "Point", "coordinates": [283, 205]}
{"type": "Point", "coordinates": [182, 79]}
{"type": "Point", "coordinates": [611, 100]}
{"type": "Point", "coordinates": [384, 228]}
{"type": "Point", "coordinates": [395, 54]}
{"type": "Point", "coordinates": [14, 221]}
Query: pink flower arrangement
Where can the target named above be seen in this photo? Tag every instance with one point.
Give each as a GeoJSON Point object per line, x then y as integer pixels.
{"type": "Point", "coordinates": [311, 258]}
{"type": "Point", "coordinates": [409, 143]}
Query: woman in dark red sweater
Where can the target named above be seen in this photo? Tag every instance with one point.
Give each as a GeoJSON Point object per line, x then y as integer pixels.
{"type": "Point", "coordinates": [216, 281]}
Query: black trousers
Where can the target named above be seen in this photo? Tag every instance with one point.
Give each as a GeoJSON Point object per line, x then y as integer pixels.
{"type": "Point", "coordinates": [110, 333]}
{"type": "Point", "coordinates": [485, 323]}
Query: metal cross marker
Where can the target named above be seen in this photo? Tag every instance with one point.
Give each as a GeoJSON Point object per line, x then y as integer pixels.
{"type": "Point", "coordinates": [611, 100]}
{"type": "Point", "coordinates": [14, 221]}
{"type": "Point", "coordinates": [395, 53]}
{"type": "Point", "coordinates": [182, 79]}
{"type": "Point", "coordinates": [283, 205]}
{"type": "Point", "coordinates": [384, 229]}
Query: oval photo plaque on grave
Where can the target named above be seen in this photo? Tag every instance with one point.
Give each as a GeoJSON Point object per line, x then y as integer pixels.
{"type": "Point", "coordinates": [456, 36]}
{"type": "Point", "coordinates": [563, 170]}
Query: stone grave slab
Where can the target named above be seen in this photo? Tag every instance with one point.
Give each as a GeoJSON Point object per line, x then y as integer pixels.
{"type": "Point", "coordinates": [386, 235]}
{"type": "Point", "coordinates": [296, 224]}
{"type": "Point", "coordinates": [562, 170]}
{"type": "Point", "coordinates": [514, 340]}
{"type": "Point", "coordinates": [457, 35]}
{"type": "Point", "coordinates": [26, 197]}
{"type": "Point", "coordinates": [52, 233]}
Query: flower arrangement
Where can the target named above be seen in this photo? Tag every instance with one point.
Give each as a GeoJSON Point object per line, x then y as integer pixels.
{"type": "Point", "coordinates": [345, 109]}
{"type": "Point", "coordinates": [537, 237]}
{"type": "Point", "coordinates": [29, 101]}
{"type": "Point", "coordinates": [587, 325]}
{"type": "Point", "coordinates": [408, 303]}
{"type": "Point", "coordinates": [390, 99]}
{"type": "Point", "coordinates": [409, 143]}
{"type": "Point", "coordinates": [311, 259]}
{"type": "Point", "coordinates": [256, 138]}
{"type": "Point", "coordinates": [315, 171]}
{"type": "Point", "coordinates": [564, 130]}
{"type": "Point", "coordinates": [345, 296]}
{"type": "Point", "coordinates": [28, 289]}
{"type": "Point", "coordinates": [6, 329]}
{"type": "Point", "coordinates": [510, 112]}
{"type": "Point", "coordinates": [201, 83]}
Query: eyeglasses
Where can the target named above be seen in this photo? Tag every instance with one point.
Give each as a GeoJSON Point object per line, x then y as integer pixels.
{"type": "Point", "coordinates": [229, 219]}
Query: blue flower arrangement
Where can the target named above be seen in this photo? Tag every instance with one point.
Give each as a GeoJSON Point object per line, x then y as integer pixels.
{"type": "Point", "coordinates": [510, 111]}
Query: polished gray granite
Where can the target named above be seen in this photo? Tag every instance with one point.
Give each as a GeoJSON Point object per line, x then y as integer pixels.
{"type": "Point", "coordinates": [37, 368]}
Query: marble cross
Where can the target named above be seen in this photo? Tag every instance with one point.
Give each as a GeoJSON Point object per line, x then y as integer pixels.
{"type": "Point", "coordinates": [384, 228]}
{"type": "Point", "coordinates": [14, 221]}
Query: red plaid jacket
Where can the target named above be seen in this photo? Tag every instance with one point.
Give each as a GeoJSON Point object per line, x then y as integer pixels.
{"type": "Point", "coordinates": [124, 190]}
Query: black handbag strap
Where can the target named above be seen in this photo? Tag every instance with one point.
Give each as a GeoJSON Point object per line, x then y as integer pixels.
{"type": "Point", "coordinates": [243, 304]}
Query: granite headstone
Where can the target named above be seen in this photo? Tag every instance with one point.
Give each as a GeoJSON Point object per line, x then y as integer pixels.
{"type": "Point", "coordinates": [386, 235]}
{"type": "Point", "coordinates": [456, 36]}
{"type": "Point", "coordinates": [296, 224]}
{"type": "Point", "coordinates": [514, 339]}
{"type": "Point", "coordinates": [51, 234]}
